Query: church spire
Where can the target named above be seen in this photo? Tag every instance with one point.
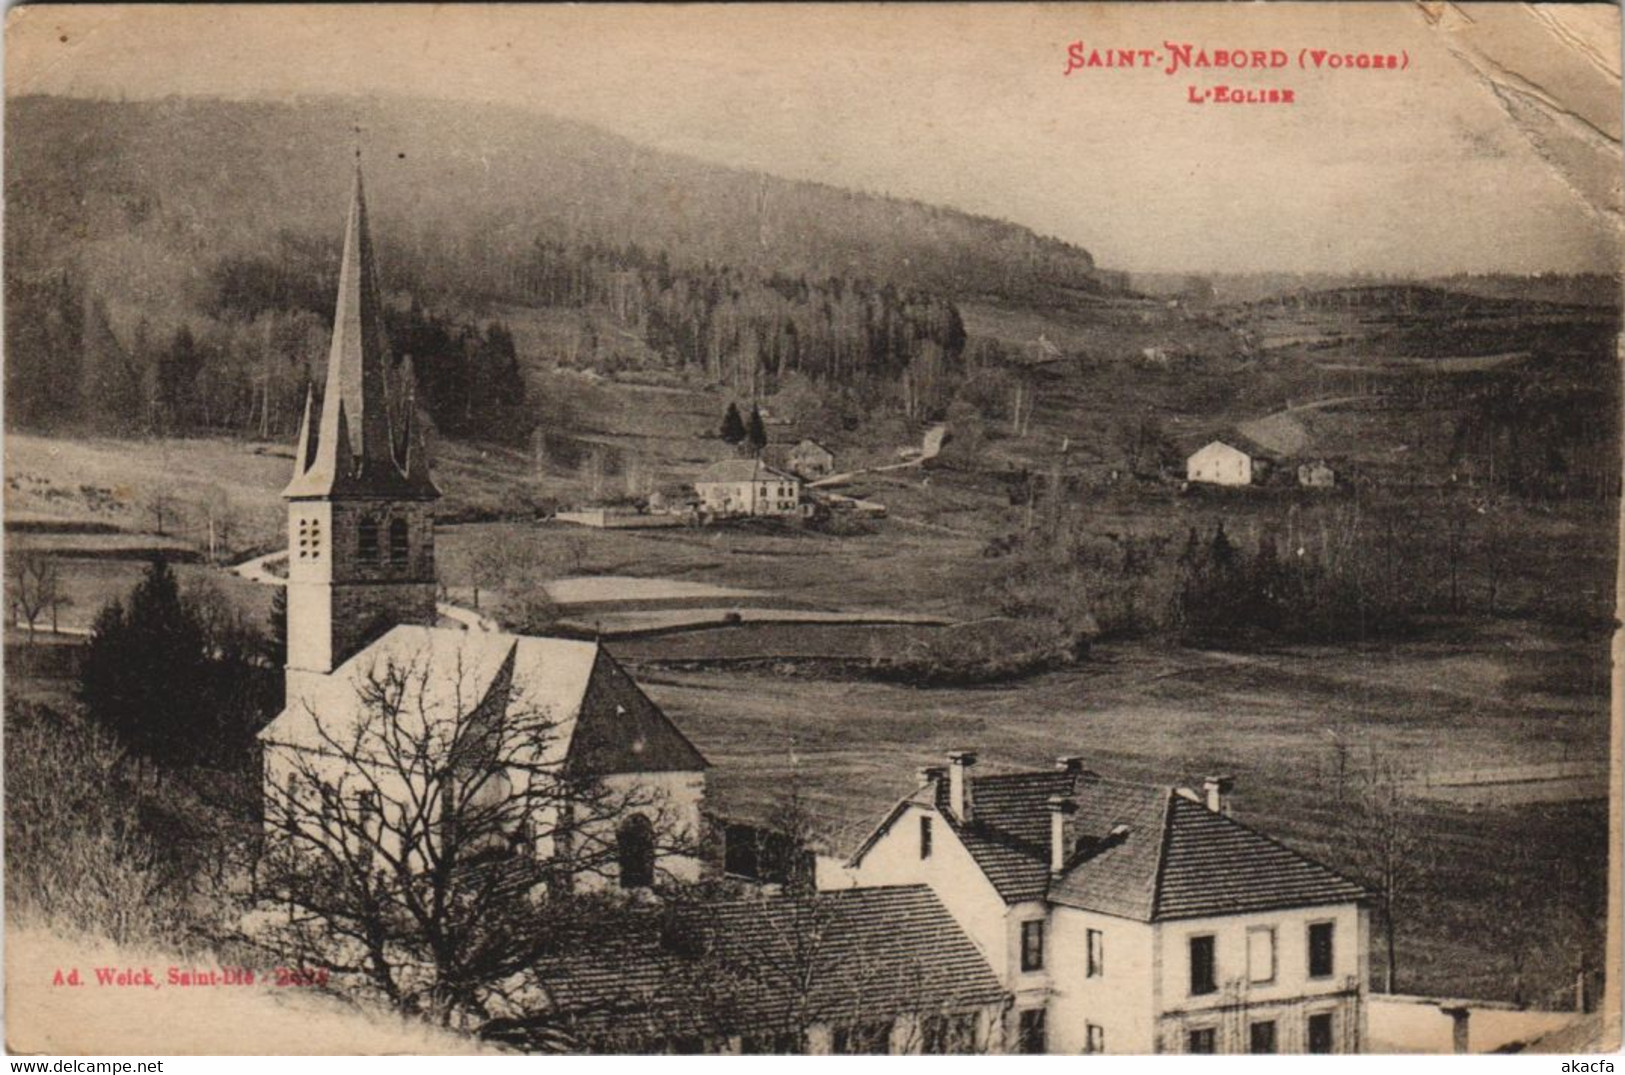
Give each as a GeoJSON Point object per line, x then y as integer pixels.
{"type": "Point", "coordinates": [365, 457]}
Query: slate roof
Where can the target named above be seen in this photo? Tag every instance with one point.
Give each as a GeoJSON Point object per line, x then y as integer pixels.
{"type": "Point", "coordinates": [741, 470]}
{"type": "Point", "coordinates": [362, 440]}
{"type": "Point", "coordinates": [750, 966]}
{"type": "Point", "coordinates": [1215, 865]}
{"type": "Point", "coordinates": [599, 720]}
{"type": "Point", "coordinates": [1140, 851]}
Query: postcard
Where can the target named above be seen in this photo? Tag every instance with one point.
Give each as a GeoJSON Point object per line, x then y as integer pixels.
{"type": "Point", "coordinates": [839, 529]}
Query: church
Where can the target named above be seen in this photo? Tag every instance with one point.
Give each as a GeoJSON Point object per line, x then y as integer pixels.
{"type": "Point", "coordinates": [371, 666]}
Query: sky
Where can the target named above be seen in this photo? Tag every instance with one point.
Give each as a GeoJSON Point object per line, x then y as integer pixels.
{"type": "Point", "coordinates": [1495, 149]}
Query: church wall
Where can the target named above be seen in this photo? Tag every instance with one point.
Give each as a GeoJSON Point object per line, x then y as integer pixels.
{"type": "Point", "coordinates": [677, 800]}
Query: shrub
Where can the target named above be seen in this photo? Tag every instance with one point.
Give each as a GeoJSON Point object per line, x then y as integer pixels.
{"type": "Point", "coordinates": [76, 853]}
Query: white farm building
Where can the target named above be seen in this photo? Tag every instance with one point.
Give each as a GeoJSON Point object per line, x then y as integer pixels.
{"type": "Point", "coordinates": [1218, 463]}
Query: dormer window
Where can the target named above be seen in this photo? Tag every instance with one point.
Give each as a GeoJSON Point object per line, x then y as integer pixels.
{"type": "Point", "coordinates": [369, 541]}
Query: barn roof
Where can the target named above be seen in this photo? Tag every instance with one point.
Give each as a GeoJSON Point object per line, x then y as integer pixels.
{"type": "Point", "coordinates": [596, 715]}
{"type": "Point", "coordinates": [758, 964]}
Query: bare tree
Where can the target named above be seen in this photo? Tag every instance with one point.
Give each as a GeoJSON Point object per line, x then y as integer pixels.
{"type": "Point", "coordinates": [433, 846]}
{"type": "Point", "coordinates": [1388, 847]}
{"type": "Point", "coordinates": [36, 587]}
{"type": "Point", "coordinates": [165, 507]}
{"type": "Point", "coordinates": [495, 562]}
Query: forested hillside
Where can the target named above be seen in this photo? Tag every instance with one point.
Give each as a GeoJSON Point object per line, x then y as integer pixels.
{"type": "Point", "coordinates": [169, 264]}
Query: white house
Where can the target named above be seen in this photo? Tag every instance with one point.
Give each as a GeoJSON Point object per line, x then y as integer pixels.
{"type": "Point", "coordinates": [1218, 463]}
{"type": "Point", "coordinates": [1132, 918]}
{"type": "Point", "coordinates": [362, 612]}
{"type": "Point", "coordinates": [1316, 475]}
{"type": "Point", "coordinates": [747, 487]}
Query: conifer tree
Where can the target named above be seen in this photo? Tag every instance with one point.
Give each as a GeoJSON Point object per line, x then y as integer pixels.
{"type": "Point", "coordinates": [758, 432]}
{"type": "Point", "coordinates": [733, 426]}
{"type": "Point", "coordinates": [145, 668]}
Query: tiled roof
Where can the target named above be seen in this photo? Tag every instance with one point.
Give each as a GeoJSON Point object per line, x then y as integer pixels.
{"type": "Point", "coordinates": [779, 962]}
{"type": "Point", "coordinates": [1009, 835]}
{"type": "Point", "coordinates": [1116, 875]}
{"type": "Point", "coordinates": [1215, 865]}
{"type": "Point", "coordinates": [1139, 851]}
{"type": "Point", "coordinates": [741, 470]}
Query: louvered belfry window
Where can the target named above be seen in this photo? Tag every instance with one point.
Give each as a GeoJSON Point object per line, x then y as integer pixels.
{"type": "Point", "coordinates": [399, 541]}
{"type": "Point", "coordinates": [369, 541]}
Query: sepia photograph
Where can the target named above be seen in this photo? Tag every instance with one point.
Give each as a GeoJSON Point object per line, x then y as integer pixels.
{"type": "Point", "coordinates": [834, 529]}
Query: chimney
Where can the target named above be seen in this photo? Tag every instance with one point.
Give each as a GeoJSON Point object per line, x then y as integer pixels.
{"type": "Point", "coordinates": [1060, 808]}
{"type": "Point", "coordinates": [931, 774]}
{"type": "Point", "coordinates": [1218, 790]}
{"type": "Point", "coordinates": [1069, 763]}
{"type": "Point", "coordinates": [959, 790]}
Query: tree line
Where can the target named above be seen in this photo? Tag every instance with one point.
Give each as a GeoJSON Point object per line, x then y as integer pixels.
{"type": "Point", "coordinates": [243, 363]}
{"type": "Point", "coordinates": [750, 329]}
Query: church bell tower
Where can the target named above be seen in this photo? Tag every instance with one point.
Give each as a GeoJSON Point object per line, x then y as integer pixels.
{"type": "Point", "coordinates": [361, 502]}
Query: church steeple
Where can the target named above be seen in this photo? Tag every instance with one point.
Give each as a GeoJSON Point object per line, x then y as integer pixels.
{"type": "Point", "coordinates": [358, 410]}
{"type": "Point", "coordinates": [360, 505]}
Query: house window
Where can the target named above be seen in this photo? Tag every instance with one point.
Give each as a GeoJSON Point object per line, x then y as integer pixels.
{"type": "Point", "coordinates": [1201, 1040]}
{"type": "Point", "coordinates": [1261, 954]}
{"type": "Point", "coordinates": [369, 541]}
{"type": "Point", "coordinates": [1320, 1033]}
{"type": "Point", "coordinates": [1030, 1035]}
{"type": "Point", "coordinates": [1032, 945]}
{"type": "Point", "coordinates": [1094, 1038]}
{"type": "Point", "coordinates": [925, 836]}
{"type": "Point", "coordinates": [635, 851]}
{"type": "Point", "coordinates": [1321, 944]}
{"type": "Point", "coordinates": [1204, 977]}
{"type": "Point", "coordinates": [399, 542]}
{"type": "Point", "coordinates": [1261, 1037]}
{"type": "Point", "coordinates": [949, 1034]}
{"type": "Point", "coordinates": [1096, 954]}
{"type": "Point", "coordinates": [862, 1039]}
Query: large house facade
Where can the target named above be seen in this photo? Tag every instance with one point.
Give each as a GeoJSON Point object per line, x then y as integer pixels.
{"type": "Point", "coordinates": [1132, 918]}
{"type": "Point", "coordinates": [737, 487]}
{"type": "Point", "coordinates": [362, 617]}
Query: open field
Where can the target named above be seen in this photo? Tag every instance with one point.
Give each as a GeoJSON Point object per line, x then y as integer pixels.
{"type": "Point", "coordinates": [806, 568]}
{"type": "Point", "coordinates": [89, 584]}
